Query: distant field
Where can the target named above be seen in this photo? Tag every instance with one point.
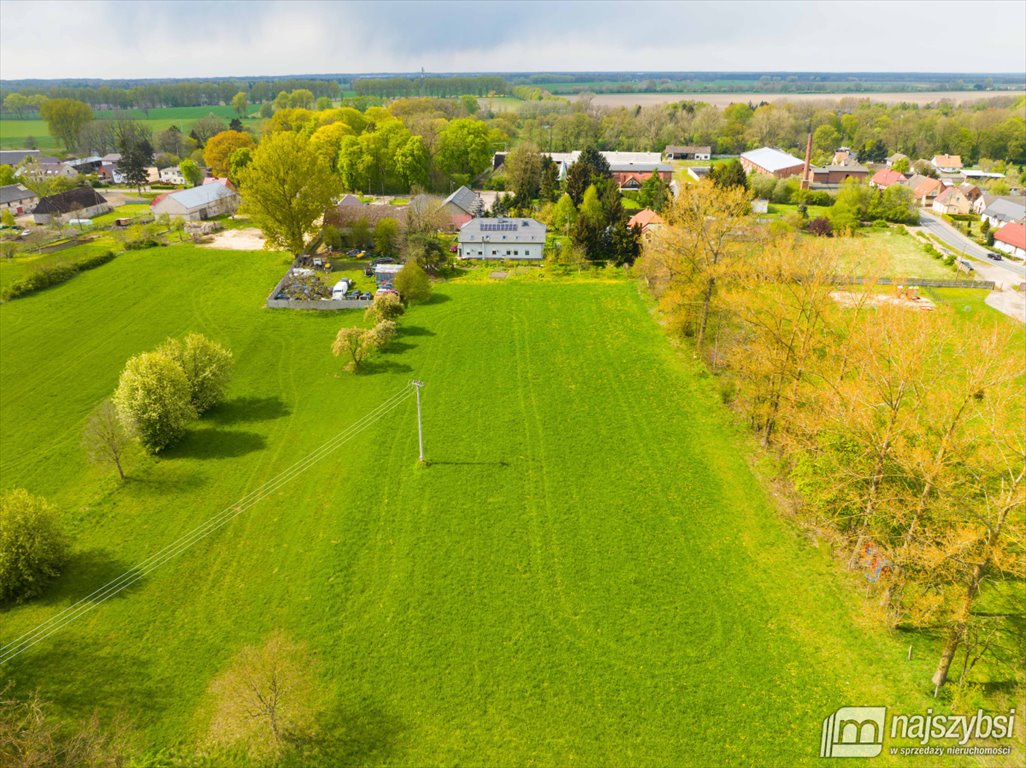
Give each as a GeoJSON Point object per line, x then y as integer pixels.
{"type": "Point", "coordinates": [725, 99]}
{"type": "Point", "coordinates": [13, 133]}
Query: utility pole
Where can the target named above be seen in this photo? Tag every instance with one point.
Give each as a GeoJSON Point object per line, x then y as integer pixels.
{"type": "Point", "coordinates": [420, 428]}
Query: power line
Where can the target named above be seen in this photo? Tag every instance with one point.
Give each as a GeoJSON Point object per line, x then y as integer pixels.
{"type": "Point", "coordinates": [65, 617]}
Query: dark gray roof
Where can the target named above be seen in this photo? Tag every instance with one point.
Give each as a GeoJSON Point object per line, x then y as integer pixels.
{"type": "Point", "coordinates": [350, 200]}
{"type": "Point", "coordinates": [502, 230]}
{"type": "Point", "coordinates": [13, 193]}
{"type": "Point", "coordinates": [1004, 209]}
{"type": "Point", "coordinates": [466, 200]}
{"type": "Point", "coordinates": [72, 200]}
{"type": "Point", "coordinates": [15, 156]}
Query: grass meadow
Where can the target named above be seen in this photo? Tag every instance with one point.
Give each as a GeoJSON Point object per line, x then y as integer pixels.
{"type": "Point", "coordinates": [588, 572]}
{"type": "Point", "coordinates": [14, 132]}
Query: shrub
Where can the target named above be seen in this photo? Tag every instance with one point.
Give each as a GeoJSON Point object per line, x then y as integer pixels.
{"type": "Point", "coordinates": [821, 227]}
{"type": "Point", "coordinates": [33, 547]}
{"type": "Point", "coordinates": [207, 366]}
{"type": "Point", "coordinates": [819, 197]}
{"type": "Point", "coordinates": [53, 274]}
{"type": "Point", "coordinates": [413, 284]}
{"type": "Point", "coordinates": [386, 306]}
{"type": "Point", "coordinates": [153, 399]}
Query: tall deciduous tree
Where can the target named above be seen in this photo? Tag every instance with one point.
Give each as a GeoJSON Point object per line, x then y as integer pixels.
{"type": "Point", "coordinates": [240, 103]}
{"type": "Point", "coordinates": [65, 118]}
{"type": "Point", "coordinates": [705, 231]}
{"type": "Point", "coordinates": [218, 150]}
{"type": "Point", "coordinates": [207, 366]}
{"type": "Point", "coordinates": [524, 172]}
{"type": "Point", "coordinates": [463, 149]}
{"type": "Point", "coordinates": [286, 189]}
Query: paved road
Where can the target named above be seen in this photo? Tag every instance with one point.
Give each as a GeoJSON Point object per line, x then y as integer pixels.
{"type": "Point", "coordinates": [960, 244]}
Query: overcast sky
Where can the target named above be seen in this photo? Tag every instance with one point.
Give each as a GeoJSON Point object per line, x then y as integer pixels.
{"type": "Point", "coordinates": [182, 38]}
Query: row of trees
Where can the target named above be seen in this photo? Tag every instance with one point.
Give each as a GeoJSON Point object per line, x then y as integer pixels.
{"type": "Point", "coordinates": [24, 100]}
{"type": "Point", "coordinates": [398, 87]}
{"type": "Point", "coordinates": [902, 432]}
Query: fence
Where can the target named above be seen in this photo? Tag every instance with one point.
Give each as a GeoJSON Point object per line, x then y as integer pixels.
{"type": "Point", "coordinates": [922, 282]}
{"type": "Point", "coordinates": [317, 304]}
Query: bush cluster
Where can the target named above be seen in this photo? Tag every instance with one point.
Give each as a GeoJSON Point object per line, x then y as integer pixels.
{"type": "Point", "coordinates": [33, 546]}
{"type": "Point", "coordinates": [53, 274]}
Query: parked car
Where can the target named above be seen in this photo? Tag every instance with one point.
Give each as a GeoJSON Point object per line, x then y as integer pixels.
{"type": "Point", "coordinates": [993, 256]}
{"type": "Point", "coordinates": [392, 291]}
{"type": "Point", "coordinates": [453, 248]}
{"type": "Point", "coordinates": [366, 296]}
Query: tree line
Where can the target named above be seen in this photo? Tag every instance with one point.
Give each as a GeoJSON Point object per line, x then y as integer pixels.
{"type": "Point", "coordinates": [402, 87]}
{"type": "Point", "coordinates": [900, 431]}
{"type": "Point", "coordinates": [21, 100]}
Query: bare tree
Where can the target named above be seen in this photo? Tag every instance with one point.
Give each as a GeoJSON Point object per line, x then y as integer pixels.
{"type": "Point", "coordinates": [105, 437]}
{"type": "Point", "coordinates": [267, 696]}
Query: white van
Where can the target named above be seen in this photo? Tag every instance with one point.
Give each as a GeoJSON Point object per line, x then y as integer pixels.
{"type": "Point", "coordinates": [340, 290]}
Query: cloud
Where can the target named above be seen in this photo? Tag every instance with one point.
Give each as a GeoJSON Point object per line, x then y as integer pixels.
{"type": "Point", "coordinates": [186, 38]}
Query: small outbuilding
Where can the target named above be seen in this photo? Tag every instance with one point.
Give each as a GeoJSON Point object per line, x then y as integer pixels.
{"type": "Point", "coordinates": [16, 198]}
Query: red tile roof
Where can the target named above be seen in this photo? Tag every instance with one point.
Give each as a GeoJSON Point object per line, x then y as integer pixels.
{"type": "Point", "coordinates": [885, 177]}
{"type": "Point", "coordinates": [1012, 233]}
{"type": "Point", "coordinates": [644, 218]}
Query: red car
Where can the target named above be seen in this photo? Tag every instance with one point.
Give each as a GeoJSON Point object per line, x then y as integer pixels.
{"type": "Point", "coordinates": [453, 249]}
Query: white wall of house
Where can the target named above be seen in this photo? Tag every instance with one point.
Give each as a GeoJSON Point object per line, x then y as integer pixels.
{"type": "Point", "coordinates": [1010, 249]}
{"type": "Point", "coordinates": [502, 251]}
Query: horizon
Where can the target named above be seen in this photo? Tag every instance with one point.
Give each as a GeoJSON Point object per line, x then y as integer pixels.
{"type": "Point", "coordinates": [190, 40]}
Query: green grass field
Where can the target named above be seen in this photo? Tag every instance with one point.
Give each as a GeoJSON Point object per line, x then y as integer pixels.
{"type": "Point", "coordinates": [587, 573]}
{"type": "Point", "coordinates": [14, 132]}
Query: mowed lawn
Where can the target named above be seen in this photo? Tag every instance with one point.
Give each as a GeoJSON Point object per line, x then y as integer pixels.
{"type": "Point", "coordinates": [587, 573]}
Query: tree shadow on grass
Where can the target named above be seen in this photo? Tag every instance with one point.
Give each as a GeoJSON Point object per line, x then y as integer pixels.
{"type": "Point", "coordinates": [438, 298]}
{"type": "Point", "coordinates": [396, 347]}
{"type": "Point", "coordinates": [245, 409]}
{"type": "Point", "coordinates": [89, 575]}
{"type": "Point", "coordinates": [414, 330]}
{"type": "Point", "coordinates": [372, 367]}
{"type": "Point", "coordinates": [457, 463]}
{"type": "Point", "coordinates": [80, 678]}
{"type": "Point", "coordinates": [216, 444]}
{"type": "Point", "coordinates": [347, 737]}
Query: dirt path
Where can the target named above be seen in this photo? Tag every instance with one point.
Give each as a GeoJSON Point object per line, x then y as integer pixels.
{"type": "Point", "coordinates": [249, 239]}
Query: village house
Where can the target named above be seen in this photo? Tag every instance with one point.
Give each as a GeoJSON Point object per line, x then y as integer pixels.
{"type": "Point", "coordinates": [198, 203]}
{"type": "Point", "coordinates": [673, 152]}
{"type": "Point", "coordinates": [924, 188]}
{"type": "Point", "coordinates": [631, 175]}
{"type": "Point", "coordinates": [77, 203]}
{"type": "Point", "coordinates": [998, 211]}
{"type": "Point", "coordinates": [845, 156]}
{"type": "Point", "coordinates": [171, 175]}
{"type": "Point", "coordinates": [647, 220]}
{"type": "Point", "coordinates": [896, 157]}
{"type": "Point", "coordinates": [772, 162]}
{"type": "Point", "coordinates": [885, 177]}
{"type": "Point", "coordinates": [971, 191]}
{"type": "Point", "coordinates": [502, 239]}
{"type": "Point", "coordinates": [952, 201]}
{"type": "Point", "coordinates": [461, 206]}
{"type": "Point", "coordinates": [1011, 239]}
{"type": "Point", "coordinates": [16, 198]}
{"type": "Point", "coordinates": [947, 163]}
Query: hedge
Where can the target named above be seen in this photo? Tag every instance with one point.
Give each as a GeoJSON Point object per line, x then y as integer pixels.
{"type": "Point", "coordinates": [53, 274]}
